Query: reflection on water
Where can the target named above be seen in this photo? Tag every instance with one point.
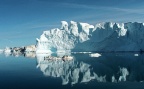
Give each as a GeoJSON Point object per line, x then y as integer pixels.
{"type": "Point", "coordinates": [112, 67]}
{"type": "Point", "coordinates": [30, 54]}
{"type": "Point", "coordinates": [91, 67]}
{"type": "Point", "coordinates": [74, 71]}
{"type": "Point", "coordinates": [69, 70]}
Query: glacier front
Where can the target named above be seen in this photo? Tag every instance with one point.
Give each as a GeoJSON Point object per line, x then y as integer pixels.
{"type": "Point", "coordinates": [83, 37]}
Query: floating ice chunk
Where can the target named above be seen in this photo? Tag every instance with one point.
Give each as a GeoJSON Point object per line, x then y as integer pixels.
{"type": "Point", "coordinates": [95, 55]}
{"type": "Point", "coordinates": [136, 54]}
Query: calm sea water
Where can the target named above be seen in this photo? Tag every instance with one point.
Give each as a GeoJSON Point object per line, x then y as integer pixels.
{"type": "Point", "coordinates": [93, 71]}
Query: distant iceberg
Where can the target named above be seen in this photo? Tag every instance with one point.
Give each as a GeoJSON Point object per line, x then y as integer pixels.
{"type": "Point", "coordinates": [83, 37]}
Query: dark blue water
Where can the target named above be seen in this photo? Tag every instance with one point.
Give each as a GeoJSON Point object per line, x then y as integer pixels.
{"type": "Point", "coordinates": [108, 71]}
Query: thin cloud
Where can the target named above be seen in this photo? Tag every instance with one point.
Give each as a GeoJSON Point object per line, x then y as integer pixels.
{"type": "Point", "coordinates": [93, 7]}
{"type": "Point", "coordinates": [10, 41]}
{"type": "Point", "coordinates": [104, 13]}
{"type": "Point", "coordinates": [136, 11]}
{"type": "Point", "coordinates": [43, 26]}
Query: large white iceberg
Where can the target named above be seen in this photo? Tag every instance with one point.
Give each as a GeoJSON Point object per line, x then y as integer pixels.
{"type": "Point", "coordinates": [76, 36]}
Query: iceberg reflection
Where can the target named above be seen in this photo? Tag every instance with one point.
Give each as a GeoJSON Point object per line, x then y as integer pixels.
{"type": "Point", "coordinates": [110, 67]}
{"type": "Point", "coordinates": [73, 71]}
{"type": "Point", "coordinates": [69, 70]}
{"type": "Point", "coordinates": [30, 54]}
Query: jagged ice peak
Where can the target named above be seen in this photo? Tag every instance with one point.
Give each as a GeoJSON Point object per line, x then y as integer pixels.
{"type": "Point", "coordinates": [106, 36]}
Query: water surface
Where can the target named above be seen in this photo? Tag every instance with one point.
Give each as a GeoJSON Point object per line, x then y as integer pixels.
{"type": "Point", "coordinates": [86, 70]}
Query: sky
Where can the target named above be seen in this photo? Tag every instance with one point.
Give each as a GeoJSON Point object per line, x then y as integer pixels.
{"type": "Point", "coordinates": [22, 21]}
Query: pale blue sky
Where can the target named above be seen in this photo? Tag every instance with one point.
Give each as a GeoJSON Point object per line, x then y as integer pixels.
{"type": "Point", "coordinates": [21, 21]}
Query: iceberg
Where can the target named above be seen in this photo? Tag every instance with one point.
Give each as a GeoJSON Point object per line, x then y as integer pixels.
{"type": "Point", "coordinates": [83, 37]}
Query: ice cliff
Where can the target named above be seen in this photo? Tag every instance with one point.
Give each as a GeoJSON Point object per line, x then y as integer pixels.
{"type": "Point", "coordinates": [107, 36]}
